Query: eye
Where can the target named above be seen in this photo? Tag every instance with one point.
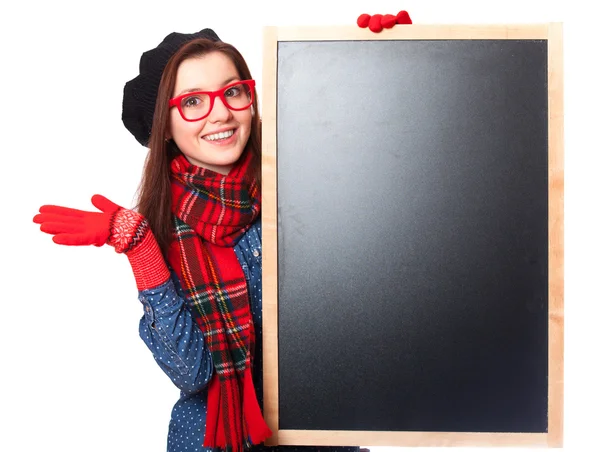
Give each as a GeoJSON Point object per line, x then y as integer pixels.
{"type": "Point", "coordinates": [234, 91]}
{"type": "Point", "coordinates": [194, 101]}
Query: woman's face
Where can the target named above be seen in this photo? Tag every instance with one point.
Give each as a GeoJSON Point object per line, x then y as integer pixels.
{"type": "Point", "coordinates": [197, 140]}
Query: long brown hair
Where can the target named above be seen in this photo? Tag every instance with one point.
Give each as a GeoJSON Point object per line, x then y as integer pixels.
{"type": "Point", "coordinates": [154, 192]}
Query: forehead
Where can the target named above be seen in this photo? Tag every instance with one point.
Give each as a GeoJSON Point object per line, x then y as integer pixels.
{"type": "Point", "coordinates": [207, 72]}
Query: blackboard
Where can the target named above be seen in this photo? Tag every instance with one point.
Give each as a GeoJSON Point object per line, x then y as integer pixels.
{"type": "Point", "coordinates": [414, 236]}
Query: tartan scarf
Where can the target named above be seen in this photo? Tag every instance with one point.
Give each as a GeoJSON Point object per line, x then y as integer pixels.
{"type": "Point", "coordinates": [211, 213]}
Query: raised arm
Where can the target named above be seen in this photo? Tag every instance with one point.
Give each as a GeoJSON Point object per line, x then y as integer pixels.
{"type": "Point", "coordinates": [167, 328]}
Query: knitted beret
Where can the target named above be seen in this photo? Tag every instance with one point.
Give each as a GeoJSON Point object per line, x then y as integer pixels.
{"type": "Point", "coordinates": [139, 94]}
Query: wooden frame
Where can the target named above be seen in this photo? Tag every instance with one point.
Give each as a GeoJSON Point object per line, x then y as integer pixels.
{"type": "Point", "coordinates": [554, 437]}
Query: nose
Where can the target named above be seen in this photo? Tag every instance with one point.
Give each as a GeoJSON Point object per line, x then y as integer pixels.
{"type": "Point", "coordinates": [219, 112]}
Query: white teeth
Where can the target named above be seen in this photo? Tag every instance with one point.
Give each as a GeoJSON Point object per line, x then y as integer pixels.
{"type": "Point", "coordinates": [219, 136]}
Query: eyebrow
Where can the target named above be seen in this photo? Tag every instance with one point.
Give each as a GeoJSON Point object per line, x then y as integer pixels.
{"type": "Point", "coordinates": [194, 90]}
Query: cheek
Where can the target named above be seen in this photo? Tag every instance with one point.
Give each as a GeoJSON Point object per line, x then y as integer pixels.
{"type": "Point", "coordinates": [180, 128]}
{"type": "Point", "coordinates": [245, 120]}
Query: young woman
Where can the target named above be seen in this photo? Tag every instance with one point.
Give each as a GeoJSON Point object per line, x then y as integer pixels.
{"type": "Point", "coordinates": [194, 243]}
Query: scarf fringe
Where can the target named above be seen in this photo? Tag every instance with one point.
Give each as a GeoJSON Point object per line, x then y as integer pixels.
{"type": "Point", "coordinates": [256, 426]}
{"type": "Point", "coordinates": [256, 429]}
{"type": "Point", "coordinates": [212, 413]}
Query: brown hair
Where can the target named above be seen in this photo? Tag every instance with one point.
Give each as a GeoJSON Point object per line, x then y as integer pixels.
{"type": "Point", "coordinates": [154, 192]}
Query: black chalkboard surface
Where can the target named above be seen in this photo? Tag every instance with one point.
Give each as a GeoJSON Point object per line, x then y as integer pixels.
{"type": "Point", "coordinates": [412, 193]}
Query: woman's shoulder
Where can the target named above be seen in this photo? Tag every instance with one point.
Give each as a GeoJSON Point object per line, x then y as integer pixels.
{"type": "Point", "coordinates": [249, 246]}
{"type": "Point", "coordinates": [254, 232]}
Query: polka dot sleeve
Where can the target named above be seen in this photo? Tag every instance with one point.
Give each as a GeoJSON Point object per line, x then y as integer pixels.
{"type": "Point", "coordinates": [170, 332]}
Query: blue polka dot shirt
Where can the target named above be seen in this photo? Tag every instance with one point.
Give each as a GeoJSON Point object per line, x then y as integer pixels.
{"type": "Point", "coordinates": [177, 344]}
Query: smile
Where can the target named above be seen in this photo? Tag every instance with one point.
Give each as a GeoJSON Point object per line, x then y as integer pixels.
{"type": "Point", "coordinates": [219, 136]}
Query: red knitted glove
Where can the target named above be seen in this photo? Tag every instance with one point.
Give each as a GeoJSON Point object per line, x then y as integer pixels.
{"type": "Point", "coordinates": [375, 23]}
{"type": "Point", "coordinates": [126, 230]}
{"type": "Point", "coordinates": [403, 18]}
{"type": "Point", "coordinates": [388, 21]}
{"type": "Point", "coordinates": [378, 22]}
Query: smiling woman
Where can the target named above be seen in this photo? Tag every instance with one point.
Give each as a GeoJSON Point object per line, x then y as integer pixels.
{"type": "Point", "coordinates": [194, 243]}
{"type": "Point", "coordinates": [198, 66]}
{"type": "Point", "coordinates": [211, 132]}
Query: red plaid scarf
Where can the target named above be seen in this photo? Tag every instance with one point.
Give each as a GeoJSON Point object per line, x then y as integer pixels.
{"type": "Point", "coordinates": [212, 212]}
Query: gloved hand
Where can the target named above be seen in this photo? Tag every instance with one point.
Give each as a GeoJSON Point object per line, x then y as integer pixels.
{"type": "Point", "coordinates": [378, 22]}
{"type": "Point", "coordinates": [126, 230]}
{"type": "Point", "coordinates": [78, 227]}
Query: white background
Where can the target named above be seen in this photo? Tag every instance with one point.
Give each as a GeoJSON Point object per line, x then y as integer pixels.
{"type": "Point", "coordinates": [75, 376]}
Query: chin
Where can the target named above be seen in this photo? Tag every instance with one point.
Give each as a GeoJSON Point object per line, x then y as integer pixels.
{"type": "Point", "coordinates": [221, 165]}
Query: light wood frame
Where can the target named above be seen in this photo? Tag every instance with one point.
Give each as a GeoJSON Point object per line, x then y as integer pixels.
{"type": "Point", "coordinates": [554, 437]}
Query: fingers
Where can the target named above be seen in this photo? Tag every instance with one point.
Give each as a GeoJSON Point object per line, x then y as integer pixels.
{"type": "Point", "coordinates": [388, 21]}
{"type": "Point", "coordinates": [41, 218]}
{"type": "Point", "coordinates": [363, 20]}
{"type": "Point", "coordinates": [403, 18]}
{"type": "Point", "coordinates": [99, 201]}
{"type": "Point", "coordinates": [65, 211]}
{"type": "Point", "coordinates": [378, 22]}
{"type": "Point", "coordinates": [56, 223]}
{"type": "Point", "coordinates": [78, 239]}
{"type": "Point", "coordinates": [58, 228]}
{"type": "Point", "coordinates": [72, 239]}
{"type": "Point", "coordinates": [77, 227]}
{"type": "Point", "coordinates": [375, 23]}
{"type": "Point", "coordinates": [104, 204]}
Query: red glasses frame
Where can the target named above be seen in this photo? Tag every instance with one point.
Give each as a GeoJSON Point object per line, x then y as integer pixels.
{"type": "Point", "coordinates": [176, 101]}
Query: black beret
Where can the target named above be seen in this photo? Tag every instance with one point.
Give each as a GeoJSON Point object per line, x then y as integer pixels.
{"type": "Point", "coordinates": [139, 94]}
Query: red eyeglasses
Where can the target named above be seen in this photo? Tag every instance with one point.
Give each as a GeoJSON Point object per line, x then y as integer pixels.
{"type": "Point", "coordinates": [195, 106]}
